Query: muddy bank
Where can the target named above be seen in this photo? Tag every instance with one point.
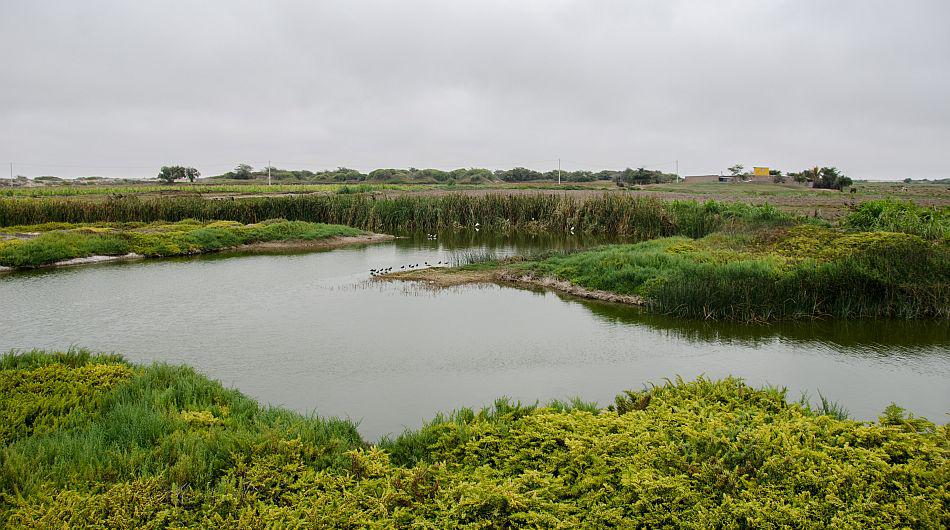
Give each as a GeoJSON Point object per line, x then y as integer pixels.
{"type": "Point", "coordinates": [263, 246]}
{"type": "Point", "coordinates": [443, 277]}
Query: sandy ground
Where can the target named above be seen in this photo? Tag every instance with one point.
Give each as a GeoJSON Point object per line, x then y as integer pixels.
{"type": "Point", "coordinates": [442, 277]}
{"type": "Point", "coordinates": [297, 244]}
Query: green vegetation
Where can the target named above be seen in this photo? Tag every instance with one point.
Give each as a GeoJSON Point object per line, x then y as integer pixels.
{"type": "Point", "coordinates": [169, 174]}
{"type": "Point", "coordinates": [210, 189]}
{"type": "Point", "coordinates": [164, 447]}
{"type": "Point", "coordinates": [60, 241]}
{"type": "Point", "coordinates": [616, 214]}
{"type": "Point", "coordinates": [805, 271]}
{"type": "Point", "coordinates": [454, 176]}
{"type": "Point", "coordinates": [641, 176]}
{"type": "Point", "coordinates": [898, 216]}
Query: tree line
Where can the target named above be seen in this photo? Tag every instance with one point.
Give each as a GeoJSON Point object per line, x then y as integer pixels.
{"type": "Point", "coordinates": [460, 175]}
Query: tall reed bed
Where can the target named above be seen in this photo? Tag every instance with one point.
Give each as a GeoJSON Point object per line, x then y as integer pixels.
{"type": "Point", "coordinates": [619, 215]}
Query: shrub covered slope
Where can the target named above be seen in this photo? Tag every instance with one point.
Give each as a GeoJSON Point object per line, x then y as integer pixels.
{"type": "Point", "coordinates": [93, 441]}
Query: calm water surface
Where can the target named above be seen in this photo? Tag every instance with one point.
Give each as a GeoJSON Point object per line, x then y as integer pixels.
{"type": "Point", "coordinates": [314, 333]}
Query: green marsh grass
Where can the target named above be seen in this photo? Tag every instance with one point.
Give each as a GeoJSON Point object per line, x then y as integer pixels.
{"type": "Point", "coordinates": [802, 272]}
{"type": "Point", "coordinates": [57, 241]}
{"type": "Point", "coordinates": [901, 216]}
{"type": "Point", "coordinates": [125, 446]}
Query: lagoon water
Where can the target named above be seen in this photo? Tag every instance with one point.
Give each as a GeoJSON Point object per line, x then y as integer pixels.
{"type": "Point", "coordinates": [313, 332]}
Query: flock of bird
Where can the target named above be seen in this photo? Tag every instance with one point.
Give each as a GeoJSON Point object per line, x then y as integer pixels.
{"type": "Point", "coordinates": [378, 272]}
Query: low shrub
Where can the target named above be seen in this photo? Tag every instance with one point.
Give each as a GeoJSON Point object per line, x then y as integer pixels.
{"type": "Point", "coordinates": [166, 448]}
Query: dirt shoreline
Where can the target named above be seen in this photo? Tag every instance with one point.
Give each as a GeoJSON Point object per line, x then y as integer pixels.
{"type": "Point", "coordinates": [442, 277]}
{"type": "Point", "coordinates": [291, 244]}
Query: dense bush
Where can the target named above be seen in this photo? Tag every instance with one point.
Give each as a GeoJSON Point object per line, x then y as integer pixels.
{"type": "Point", "coordinates": [167, 448]}
{"type": "Point", "coordinates": [644, 176]}
{"type": "Point", "coordinates": [84, 423]}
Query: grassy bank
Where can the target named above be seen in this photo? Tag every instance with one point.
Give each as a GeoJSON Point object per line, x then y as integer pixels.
{"type": "Point", "coordinates": [622, 215]}
{"type": "Point", "coordinates": [804, 271]}
{"type": "Point", "coordinates": [95, 441]}
{"type": "Point", "coordinates": [35, 245]}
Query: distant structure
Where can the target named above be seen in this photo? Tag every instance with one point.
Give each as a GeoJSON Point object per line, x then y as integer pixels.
{"type": "Point", "coordinates": [759, 174]}
{"type": "Point", "coordinates": [705, 178]}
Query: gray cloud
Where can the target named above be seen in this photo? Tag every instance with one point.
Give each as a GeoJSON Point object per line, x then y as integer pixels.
{"type": "Point", "coordinates": [119, 88]}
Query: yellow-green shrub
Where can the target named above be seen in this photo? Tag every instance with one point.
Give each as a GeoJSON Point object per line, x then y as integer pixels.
{"type": "Point", "coordinates": [699, 454]}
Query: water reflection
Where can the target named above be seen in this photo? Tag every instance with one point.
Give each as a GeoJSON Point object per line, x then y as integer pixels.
{"type": "Point", "coordinates": [313, 332]}
{"type": "Point", "coordinates": [869, 336]}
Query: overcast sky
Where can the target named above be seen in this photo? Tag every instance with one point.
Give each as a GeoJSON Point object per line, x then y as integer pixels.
{"type": "Point", "coordinates": [121, 88]}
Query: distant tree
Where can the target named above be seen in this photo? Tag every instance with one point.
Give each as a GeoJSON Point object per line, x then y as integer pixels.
{"type": "Point", "coordinates": [170, 174]}
{"type": "Point", "coordinates": [644, 176]}
{"type": "Point", "coordinates": [472, 175]}
{"type": "Point", "coordinates": [830, 178]}
{"type": "Point", "coordinates": [520, 174]}
{"type": "Point", "coordinates": [390, 174]}
{"type": "Point", "coordinates": [243, 172]}
{"type": "Point", "coordinates": [908, 180]}
{"type": "Point", "coordinates": [737, 170]}
{"type": "Point", "coordinates": [606, 174]}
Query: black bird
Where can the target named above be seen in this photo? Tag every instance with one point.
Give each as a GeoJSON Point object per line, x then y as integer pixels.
{"type": "Point", "coordinates": [403, 267]}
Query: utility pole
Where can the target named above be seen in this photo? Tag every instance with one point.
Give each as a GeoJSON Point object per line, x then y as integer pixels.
{"type": "Point", "coordinates": [677, 171]}
{"type": "Point", "coordinates": [559, 171]}
{"type": "Point", "coordinates": [11, 170]}
{"type": "Point", "coordinates": [268, 172]}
